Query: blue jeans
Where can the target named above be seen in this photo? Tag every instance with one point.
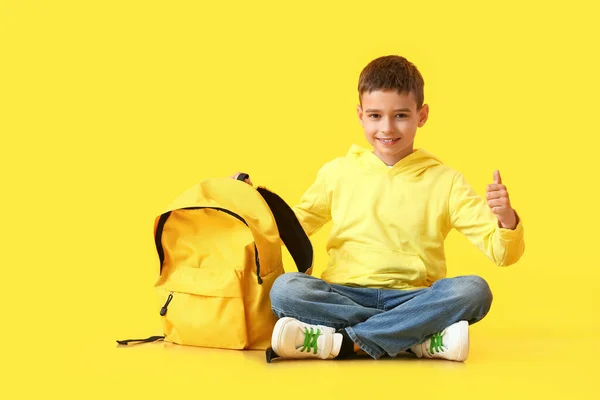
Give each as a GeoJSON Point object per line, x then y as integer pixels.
{"type": "Point", "coordinates": [381, 321]}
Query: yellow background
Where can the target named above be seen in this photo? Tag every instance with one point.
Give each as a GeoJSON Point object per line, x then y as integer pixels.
{"type": "Point", "coordinates": [109, 109]}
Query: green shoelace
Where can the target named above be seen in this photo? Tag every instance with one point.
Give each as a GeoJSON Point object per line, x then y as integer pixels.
{"type": "Point", "coordinates": [436, 344]}
{"type": "Point", "coordinates": [310, 340]}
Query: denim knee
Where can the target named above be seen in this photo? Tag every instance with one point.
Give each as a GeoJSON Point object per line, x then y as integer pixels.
{"type": "Point", "coordinates": [283, 287]}
{"type": "Point", "coordinates": [470, 292]}
{"type": "Point", "coordinates": [473, 290]}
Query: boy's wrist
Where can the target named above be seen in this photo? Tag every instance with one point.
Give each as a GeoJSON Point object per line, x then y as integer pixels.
{"type": "Point", "coordinates": [512, 225]}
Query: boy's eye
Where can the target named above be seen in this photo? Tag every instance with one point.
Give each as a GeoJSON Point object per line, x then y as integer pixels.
{"type": "Point", "coordinates": [401, 115]}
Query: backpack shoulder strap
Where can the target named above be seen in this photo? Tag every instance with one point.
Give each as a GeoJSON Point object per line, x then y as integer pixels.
{"type": "Point", "coordinates": [290, 230]}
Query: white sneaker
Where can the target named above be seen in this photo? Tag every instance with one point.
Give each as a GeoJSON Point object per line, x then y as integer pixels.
{"type": "Point", "coordinates": [452, 343]}
{"type": "Point", "coordinates": [295, 339]}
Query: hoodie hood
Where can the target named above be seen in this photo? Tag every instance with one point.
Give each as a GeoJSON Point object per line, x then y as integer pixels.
{"type": "Point", "coordinates": [412, 165]}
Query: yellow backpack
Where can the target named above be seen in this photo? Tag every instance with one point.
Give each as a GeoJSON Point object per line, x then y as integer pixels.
{"type": "Point", "coordinates": [219, 245]}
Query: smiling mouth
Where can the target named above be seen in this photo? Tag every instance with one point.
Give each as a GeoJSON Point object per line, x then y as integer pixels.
{"type": "Point", "coordinates": [388, 141]}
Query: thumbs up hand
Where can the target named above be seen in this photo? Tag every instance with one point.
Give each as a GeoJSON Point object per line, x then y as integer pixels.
{"type": "Point", "coordinates": [499, 202]}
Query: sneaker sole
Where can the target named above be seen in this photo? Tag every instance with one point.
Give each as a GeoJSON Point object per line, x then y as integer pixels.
{"type": "Point", "coordinates": [277, 331]}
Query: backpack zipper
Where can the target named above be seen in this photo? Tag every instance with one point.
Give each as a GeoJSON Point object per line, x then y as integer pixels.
{"type": "Point", "coordinates": [163, 310]}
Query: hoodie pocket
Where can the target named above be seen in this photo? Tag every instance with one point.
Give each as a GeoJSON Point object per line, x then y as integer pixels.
{"type": "Point", "coordinates": [382, 266]}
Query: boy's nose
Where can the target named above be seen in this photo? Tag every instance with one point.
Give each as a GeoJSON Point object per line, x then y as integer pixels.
{"type": "Point", "coordinates": [387, 126]}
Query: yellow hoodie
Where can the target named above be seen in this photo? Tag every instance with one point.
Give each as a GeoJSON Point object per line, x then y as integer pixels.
{"type": "Point", "coordinates": [389, 224]}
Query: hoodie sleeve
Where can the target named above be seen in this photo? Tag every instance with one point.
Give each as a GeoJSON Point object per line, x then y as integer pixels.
{"type": "Point", "coordinates": [470, 215]}
{"type": "Point", "coordinates": [313, 211]}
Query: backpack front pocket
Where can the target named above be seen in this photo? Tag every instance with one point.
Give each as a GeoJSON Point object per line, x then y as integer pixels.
{"type": "Point", "coordinates": [204, 308]}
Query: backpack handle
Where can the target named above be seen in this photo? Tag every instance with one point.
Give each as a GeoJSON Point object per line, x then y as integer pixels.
{"type": "Point", "coordinates": [242, 177]}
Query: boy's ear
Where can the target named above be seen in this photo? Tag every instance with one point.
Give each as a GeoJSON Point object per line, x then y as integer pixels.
{"type": "Point", "coordinates": [423, 115]}
{"type": "Point", "coordinates": [360, 113]}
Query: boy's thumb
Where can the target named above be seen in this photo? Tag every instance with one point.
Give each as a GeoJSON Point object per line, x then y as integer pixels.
{"type": "Point", "coordinates": [497, 177]}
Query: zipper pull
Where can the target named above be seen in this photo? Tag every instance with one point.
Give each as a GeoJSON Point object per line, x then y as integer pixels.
{"type": "Point", "coordinates": [163, 310]}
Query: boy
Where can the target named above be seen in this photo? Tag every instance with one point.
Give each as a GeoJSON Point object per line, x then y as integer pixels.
{"type": "Point", "coordinates": [385, 289]}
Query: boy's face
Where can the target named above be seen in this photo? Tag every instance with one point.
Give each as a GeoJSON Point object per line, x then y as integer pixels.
{"type": "Point", "coordinates": [390, 121]}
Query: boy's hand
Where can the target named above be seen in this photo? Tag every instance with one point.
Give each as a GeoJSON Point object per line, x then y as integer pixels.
{"type": "Point", "coordinates": [499, 202]}
{"type": "Point", "coordinates": [248, 181]}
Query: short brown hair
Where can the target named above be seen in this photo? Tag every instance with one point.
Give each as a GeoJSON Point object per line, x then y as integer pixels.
{"type": "Point", "coordinates": [392, 73]}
